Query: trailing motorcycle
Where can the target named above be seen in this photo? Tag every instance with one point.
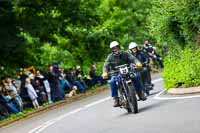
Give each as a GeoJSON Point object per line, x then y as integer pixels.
{"type": "Point", "coordinates": [146, 79]}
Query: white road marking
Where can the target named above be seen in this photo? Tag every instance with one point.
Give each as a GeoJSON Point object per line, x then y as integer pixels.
{"type": "Point", "coordinates": [157, 80]}
{"type": "Point", "coordinates": [158, 97]}
{"type": "Point", "coordinates": [52, 121]}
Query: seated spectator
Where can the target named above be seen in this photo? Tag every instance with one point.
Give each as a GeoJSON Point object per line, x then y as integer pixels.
{"type": "Point", "coordinates": [31, 92]}
{"type": "Point", "coordinates": [95, 77]}
{"type": "Point", "coordinates": [82, 77]}
{"type": "Point", "coordinates": [39, 87]}
{"type": "Point", "coordinates": [45, 83]}
{"type": "Point", "coordinates": [40, 90]}
{"type": "Point", "coordinates": [3, 112]}
{"type": "Point", "coordinates": [71, 77]}
{"type": "Point", "coordinates": [65, 84]}
{"type": "Point", "coordinates": [6, 102]}
{"type": "Point", "coordinates": [23, 91]}
{"type": "Point", "coordinates": [13, 93]}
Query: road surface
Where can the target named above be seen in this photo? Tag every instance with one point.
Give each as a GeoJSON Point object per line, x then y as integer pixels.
{"type": "Point", "coordinates": [95, 114]}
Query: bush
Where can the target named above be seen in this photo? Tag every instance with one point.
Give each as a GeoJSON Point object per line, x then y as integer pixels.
{"type": "Point", "coordinates": [182, 68]}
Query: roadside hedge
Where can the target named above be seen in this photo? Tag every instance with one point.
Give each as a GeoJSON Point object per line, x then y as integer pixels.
{"type": "Point", "coordinates": [182, 67]}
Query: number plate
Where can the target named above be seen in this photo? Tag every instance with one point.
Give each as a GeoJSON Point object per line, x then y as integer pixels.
{"type": "Point", "coordinates": [124, 70]}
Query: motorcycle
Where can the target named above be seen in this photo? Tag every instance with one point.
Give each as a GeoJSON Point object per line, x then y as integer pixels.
{"type": "Point", "coordinates": [146, 79]}
{"type": "Point", "coordinates": [126, 87]}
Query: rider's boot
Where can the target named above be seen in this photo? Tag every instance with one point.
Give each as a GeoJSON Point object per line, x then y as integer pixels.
{"type": "Point", "coordinates": [116, 102]}
{"type": "Point", "coordinates": [142, 95]}
{"type": "Point", "coordinates": [151, 86]}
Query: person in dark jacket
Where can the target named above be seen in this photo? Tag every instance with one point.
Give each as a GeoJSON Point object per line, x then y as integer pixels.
{"type": "Point", "coordinates": [95, 78]}
{"type": "Point", "coordinates": [72, 78]}
{"type": "Point", "coordinates": [151, 52]}
{"type": "Point", "coordinates": [53, 79]}
{"type": "Point", "coordinates": [143, 58]}
{"type": "Point", "coordinates": [3, 112]}
{"type": "Point", "coordinates": [116, 58]}
{"type": "Point", "coordinates": [81, 76]}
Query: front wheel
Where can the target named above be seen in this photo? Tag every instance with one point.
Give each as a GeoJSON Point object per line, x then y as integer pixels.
{"type": "Point", "coordinates": [132, 100]}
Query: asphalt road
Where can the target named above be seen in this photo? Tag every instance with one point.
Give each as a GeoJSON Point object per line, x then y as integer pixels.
{"type": "Point", "coordinates": [95, 114]}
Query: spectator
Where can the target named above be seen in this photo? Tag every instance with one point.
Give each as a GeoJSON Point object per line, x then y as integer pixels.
{"type": "Point", "coordinates": [13, 93]}
{"type": "Point", "coordinates": [31, 92]}
{"type": "Point", "coordinates": [6, 102]}
{"type": "Point", "coordinates": [23, 91]}
{"type": "Point", "coordinates": [39, 86]}
{"type": "Point", "coordinates": [81, 76]}
{"type": "Point", "coordinates": [3, 112]}
{"type": "Point", "coordinates": [95, 77]}
{"type": "Point", "coordinates": [151, 52]}
{"type": "Point", "coordinates": [67, 86]}
{"type": "Point", "coordinates": [53, 79]}
{"type": "Point", "coordinates": [71, 77]}
{"type": "Point", "coordinates": [46, 86]}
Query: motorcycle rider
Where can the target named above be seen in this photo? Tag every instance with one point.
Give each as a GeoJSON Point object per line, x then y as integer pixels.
{"type": "Point", "coordinates": [116, 58]}
{"type": "Point", "coordinates": [151, 52]}
{"type": "Point", "coordinates": [143, 58]}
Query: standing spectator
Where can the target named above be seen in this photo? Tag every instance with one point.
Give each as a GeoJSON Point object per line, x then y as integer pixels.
{"type": "Point", "coordinates": [39, 86]}
{"type": "Point", "coordinates": [47, 86]}
{"type": "Point", "coordinates": [13, 93]}
{"type": "Point", "coordinates": [31, 92]}
{"type": "Point", "coordinates": [53, 78]}
{"type": "Point", "coordinates": [48, 90]}
{"type": "Point", "coordinates": [95, 77]}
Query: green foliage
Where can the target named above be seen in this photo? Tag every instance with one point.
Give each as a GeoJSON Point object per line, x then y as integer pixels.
{"type": "Point", "coordinates": [50, 54]}
{"type": "Point", "coordinates": [79, 31]}
{"type": "Point", "coordinates": [175, 22]}
{"type": "Point", "coordinates": [182, 67]}
{"type": "Point", "coordinates": [83, 28]}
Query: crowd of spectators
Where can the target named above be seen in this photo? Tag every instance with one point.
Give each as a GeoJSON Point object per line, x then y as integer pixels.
{"type": "Point", "coordinates": [33, 88]}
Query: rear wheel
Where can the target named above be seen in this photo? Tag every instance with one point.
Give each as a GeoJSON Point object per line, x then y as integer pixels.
{"type": "Point", "coordinates": [132, 100]}
{"type": "Point", "coordinates": [147, 89]}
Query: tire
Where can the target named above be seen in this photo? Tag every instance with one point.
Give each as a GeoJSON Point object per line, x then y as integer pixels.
{"type": "Point", "coordinates": [147, 89]}
{"type": "Point", "coordinates": [132, 100]}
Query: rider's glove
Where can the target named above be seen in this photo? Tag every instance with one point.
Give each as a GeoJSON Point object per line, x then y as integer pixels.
{"type": "Point", "coordinates": [139, 66]}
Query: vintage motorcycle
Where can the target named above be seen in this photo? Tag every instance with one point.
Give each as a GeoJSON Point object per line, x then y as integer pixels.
{"type": "Point", "coordinates": [127, 92]}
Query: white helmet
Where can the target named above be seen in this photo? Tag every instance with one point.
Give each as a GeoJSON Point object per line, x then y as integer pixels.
{"type": "Point", "coordinates": [114, 44]}
{"type": "Point", "coordinates": [132, 45]}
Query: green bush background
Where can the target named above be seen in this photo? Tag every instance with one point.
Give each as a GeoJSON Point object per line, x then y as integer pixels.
{"type": "Point", "coordinates": [78, 32]}
{"type": "Point", "coordinates": [182, 66]}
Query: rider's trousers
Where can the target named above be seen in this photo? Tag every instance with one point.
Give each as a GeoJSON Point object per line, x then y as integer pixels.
{"type": "Point", "coordinates": [113, 86]}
